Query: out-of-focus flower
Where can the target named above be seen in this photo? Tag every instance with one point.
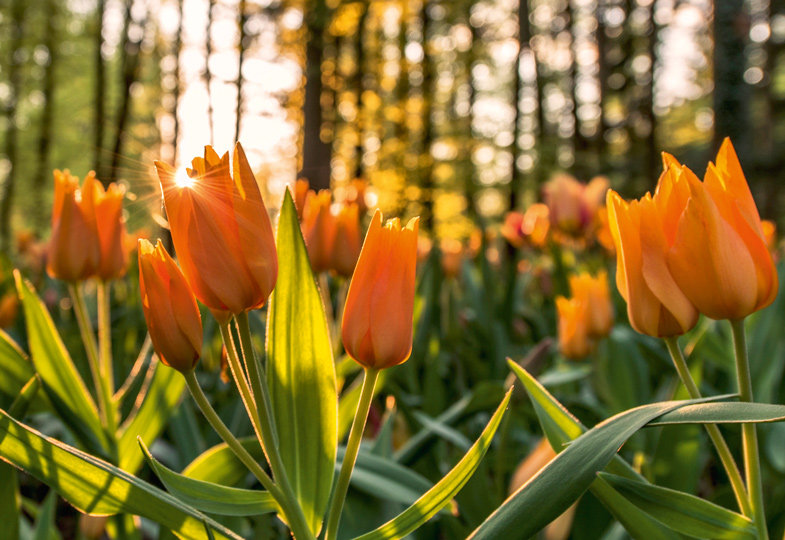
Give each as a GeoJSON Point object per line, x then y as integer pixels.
{"type": "Point", "coordinates": [717, 252]}
{"type": "Point", "coordinates": [169, 307]}
{"type": "Point", "coordinates": [594, 292]}
{"type": "Point", "coordinates": [574, 339]}
{"type": "Point", "coordinates": [656, 306]}
{"type": "Point", "coordinates": [769, 229]}
{"type": "Point", "coordinates": [452, 256]}
{"type": "Point", "coordinates": [377, 318]}
{"type": "Point", "coordinates": [356, 194]}
{"type": "Point", "coordinates": [536, 223]}
{"type": "Point", "coordinates": [318, 226]}
{"type": "Point", "coordinates": [9, 309]}
{"type": "Point", "coordinates": [603, 231]}
{"type": "Point", "coordinates": [594, 195]}
{"type": "Point", "coordinates": [424, 247]}
{"type": "Point", "coordinates": [512, 229]}
{"type": "Point", "coordinates": [564, 197]}
{"type": "Point", "coordinates": [301, 189]}
{"type": "Point", "coordinates": [74, 248]}
{"type": "Point", "coordinates": [221, 231]}
{"type": "Point", "coordinates": [111, 230]}
{"type": "Point", "coordinates": [346, 242]}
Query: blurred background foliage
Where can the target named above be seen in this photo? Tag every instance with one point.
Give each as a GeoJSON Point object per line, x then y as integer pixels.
{"type": "Point", "coordinates": [454, 110]}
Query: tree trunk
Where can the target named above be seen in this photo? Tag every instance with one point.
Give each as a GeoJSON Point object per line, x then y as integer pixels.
{"type": "Point", "coordinates": [426, 179]}
{"type": "Point", "coordinates": [178, 46]}
{"type": "Point", "coordinates": [208, 75]}
{"type": "Point", "coordinates": [100, 70]}
{"type": "Point", "coordinates": [242, 45]}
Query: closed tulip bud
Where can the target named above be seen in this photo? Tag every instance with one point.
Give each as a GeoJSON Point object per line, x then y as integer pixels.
{"type": "Point", "coordinates": [717, 251]}
{"type": "Point", "coordinates": [111, 231]}
{"type": "Point", "coordinates": [74, 248]}
{"type": "Point", "coordinates": [377, 318]}
{"type": "Point", "coordinates": [347, 241]}
{"type": "Point", "coordinates": [656, 306]}
{"type": "Point", "coordinates": [595, 294]}
{"type": "Point", "coordinates": [169, 307]}
{"type": "Point", "coordinates": [301, 190]}
{"type": "Point", "coordinates": [574, 339]}
{"type": "Point", "coordinates": [221, 232]}
{"type": "Point", "coordinates": [318, 226]}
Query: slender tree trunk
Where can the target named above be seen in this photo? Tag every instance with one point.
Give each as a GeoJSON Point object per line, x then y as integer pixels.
{"type": "Point", "coordinates": [208, 75]}
{"type": "Point", "coordinates": [45, 138]}
{"type": "Point", "coordinates": [316, 152]}
{"type": "Point", "coordinates": [426, 181]}
{"type": "Point", "coordinates": [604, 72]}
{"type": "Point", "coordinates": [579, 142]}
{"type": "Point", "coordinates": [16, 31]}
{"type": "Point", "coordinates": [130, 65]}
{"type": "Point", "coordinates": [524, 36]}
{"type": "Point", "coordinates": [652, 154]}
{"type": "Point", "coordinates": [178, 49]}
{"type": "Point", "coordinates": [100, 115]}
{"type": "Point", "coordinates": [359, 84]}
{"type": "Point", "coordinates": [241, 27]}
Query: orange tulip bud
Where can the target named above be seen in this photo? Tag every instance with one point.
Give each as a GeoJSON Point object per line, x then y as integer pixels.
{"type": "Point", "coordinates": [717, 252]}
{"type": "Point", "coordinates": [221, 231]}
{"type": "Point", "coordinates": [536, 223]}
{"type": "Point", "coordinates": [74, 249]}
{"type": "Point", "coordinates": [347, 242]}
{"type": "Point", "coordinates": [377, 318]}
{"type": "Point", "coordinates": [111, 230]}
{"type": "Point", "coordinates": [656, 306]}
{"type": "Point", "coordinates": [301, 189]}
{"type": "Point", "coordinates": [318, 226]}
{"type": "Point", "coordinates": [169, 307]}
{"type": "Point", "coordinates": [574, 340]}
{"type": "Point", "coordinates": [595, 294]}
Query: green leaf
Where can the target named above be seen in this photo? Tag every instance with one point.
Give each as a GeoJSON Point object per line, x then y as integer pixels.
{"type": "Point", "coordinates": [14, 365]}
{"type": "Point", "coordinates": [210, 497]}
{"type": "Point", "coordinates": [682, 512]}
{"type": "Point", "coordinates": [158, 403]}
{"type": "Point", "coordinates": [350, 398]}
{"type": "Point", "coordinates": [94, 486]}
{"type": "Point", "coordinates": [219, 465]}
{"type": "Point", "coordinates": [385, 479]}
{"type": "Point", "coordinates": [301, 373]}
{"type": "Point", "coordinates": [45, 524]}
{"type": "Point", "coordinates": [9, 501]}
{"type": "Point", "coordinates": [445, 489]}
{"type": "Point", "coordinates": [62, 382]}
{"type": "Point", "coordinates": [723, 413]}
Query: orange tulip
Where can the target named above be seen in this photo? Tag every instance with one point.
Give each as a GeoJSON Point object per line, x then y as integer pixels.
{"type": "Point", "coordinates": [512, 229]}
{"type": "Point", "coordinates": [111, 230]}
{"type": "Point", "coordinates": [595, 294]}
{"type": "Point", "coordinates": [221, 231]}
{"type": "Point", "coordinates": [717, 251]}
{"type": "Point", "coordinates": [9, 309]}
{"type": "Point", "coordinates": [169, 308]}
{"type": "Point", "coordinates": [574, 339]}
{"type": "Point", "coordinates": [301, 190]}
{"type": "Point", "coordinates": [74, 248]}
{"type": "Point", "coordinates": [656, 306]}
{"type": "Point", "coordinates": [769, 229]}
{"type": "Point", "coordinates": [346, 242]}
{"type": "Point", "coordinates": [564, 198]}
{"type": "Point", "coordinates": [536, 223]}
{"type": "Point", "coordinates": [318, 226]}
{"type": "Point", "coordinates": [379, 309]}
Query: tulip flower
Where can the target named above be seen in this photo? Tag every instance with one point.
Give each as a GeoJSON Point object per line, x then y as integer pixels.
{"type": "Point", "coordinates": [717, 251]}
{"type": "Point", "coordinates": [512, 229]}
{"type": "Point", "coordinates": [169, 308]}
{"type": "Point", "coordinates": [564, 198]}
{"type": "Point", "coordinates": [574, 339]}
{"type": "Point", "coordinates": [301, 191]}
{"type": "Point", "coordinates": [318, 226]}
{"type": "Point", "coordinates": [74, 248]}
{"type": "Point", "coordinates": [536, 223]}
{"type": "Point", "coordinates": [595, 294]}
{"type": "Point", "coordinates": [346, 242]}
{"type": "Point", "coordinates": [111, 230]}
{"type": "Point", "coordinates": [656, 306]}
{"type": "Point", "coordinates": [377, 319]}
{"type": "Point", "coordinates": [221, 232]}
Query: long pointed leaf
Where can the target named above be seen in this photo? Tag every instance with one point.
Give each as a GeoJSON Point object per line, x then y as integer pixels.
{"type": "Point", "coordinates": [723, 413]}
{"type": "Point", "coordinates": [94, 486]}
{"type": "Point", "coordinates": [301, 373]}
{"type": "Point", "coordinates": [445, 489]}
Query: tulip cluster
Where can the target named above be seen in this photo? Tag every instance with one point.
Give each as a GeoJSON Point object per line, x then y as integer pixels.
{"type": "Point", "coordinates": [586, 316]}
{"type": "Point", "coordinates": [87, 230]}
{"type": "Point", "coordinates": [693, 247]}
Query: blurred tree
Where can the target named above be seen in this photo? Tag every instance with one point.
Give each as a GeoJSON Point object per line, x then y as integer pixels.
{"type": "Point", "coordinates": [99, 85]}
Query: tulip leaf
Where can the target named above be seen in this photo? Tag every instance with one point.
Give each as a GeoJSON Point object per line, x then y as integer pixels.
{"type": "Point", "coordinates": [62, 383]}
{"type": "Point", "coordinates": [682, 512]}
{"type": "Point", "coordinates": [445, 489]}
{"type": "Point", "coordinates": [723, 413]}
{"type": "Point", "coordinates": [94, 486]}
{"type": "Point", "coordinates": [45, 523]}
{"type": "Point", "coordinates": [9, 501]}
{"type": "Point", "coordinates": [210, 497]}
{"type": "Point", "coordinates": [219, 465]}
{"type": "Point", "coordinates": [301, 373]}
{"type": "Point", "coordinates": [163, 395]}
{"type": "Point", "coordinates": [551, 491]}
{"type": "Point", "coordinates": [14, 365]}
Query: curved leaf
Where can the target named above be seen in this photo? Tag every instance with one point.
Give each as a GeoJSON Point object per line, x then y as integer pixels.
{"type": "Point", "coordinates": [385, 479]}
{"type": "Point", "coordinates": [14, 365]}
{"type": "Point", "coordinates": [209, 497]}
{"type": "Point", "coordinates": [94, 486]}
{"type": "Point", "coordinates": [682, 512]}
{"type": "Point", "coordinates": [723, 413]}
{"type": "Point", "coordinates": [445, 489]}
{"type": "Point", "coordinates": [301, 373]}
{"type": "Point", "coordinates": [219, 465]}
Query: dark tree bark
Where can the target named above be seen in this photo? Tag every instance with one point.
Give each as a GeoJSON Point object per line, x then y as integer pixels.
{"type": "Point", "coordinates": [652, 153]}
{"type": "Point", "coordinates": [178, 46]}
{"type": "Point", "coordinates": [426, 179]}
{"type": "Point", "coordinates": [359, 84]}
{"type": "Point", "coordinates": [208, 75]}
{"type": "Point", "coordinates": [16, 31]}
{"type": "Point", "coordinates": [100, 70]}
{"type": "Point", "coordinates": [241, 27]}
{"type": "Point", "coordinates": [604, 72]}
{"type": "Point", "coordinates": [316, 152]}
{"type": "Point", "coordinates": [524, 38]}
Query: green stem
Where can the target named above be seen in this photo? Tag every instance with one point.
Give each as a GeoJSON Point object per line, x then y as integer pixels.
{"type": "Point", "coordinates": [299, 525]}
{"type": "Point", "coordinates": [350, 455]}
{"type": "Point", "coordinates": [240, 379]}
{"type": "Point", "coordinates": [88, 338]}
{"type": "Point", "coordinates": [731, 469]}
{"type": "Point", "coordinates": [748, 431]}
{"type": "Point", "coordinates": [105, 352]}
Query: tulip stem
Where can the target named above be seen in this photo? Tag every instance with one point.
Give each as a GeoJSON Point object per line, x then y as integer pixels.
{"type": "Point", "coordinates": [267, 425]}
{"type": "Point", "coordinates": [731, 469]}
{"type": "Point", "coordinates": [105, 350]}
{"type": "Point", "coordinates": [88, 338]}
{"type": "Point", "coordinates": [350, 455]}
{"type": "Point", "coordinates": [748, 431]}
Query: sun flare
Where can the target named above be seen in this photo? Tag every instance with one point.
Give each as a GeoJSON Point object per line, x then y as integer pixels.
{"type": "Point", "coordinates": [182, 179]}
